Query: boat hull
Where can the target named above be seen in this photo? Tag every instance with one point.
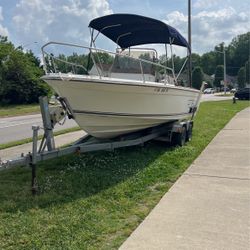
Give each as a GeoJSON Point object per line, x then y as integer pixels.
{"type": "Point", "coordinates": [106, 108]}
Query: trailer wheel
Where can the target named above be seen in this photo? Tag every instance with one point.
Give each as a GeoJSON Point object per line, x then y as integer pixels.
{"type": "Point", "coordinates": [180, 138]}
{"type": "Point", "coordinates": [189, 133]}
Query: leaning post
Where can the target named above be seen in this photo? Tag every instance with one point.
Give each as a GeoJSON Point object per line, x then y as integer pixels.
{"type": "Point", "coordinates": [48, 127]}
{"type": "Point", "coordinates": [33, 160]}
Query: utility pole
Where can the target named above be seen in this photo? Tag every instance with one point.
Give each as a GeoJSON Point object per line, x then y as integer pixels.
{"type": "Point", "coordinates": [225, 68]}
{"type": "Point", "coordinates": [189, 42]}
{"type": "Point", "coordinates": [225, 75]}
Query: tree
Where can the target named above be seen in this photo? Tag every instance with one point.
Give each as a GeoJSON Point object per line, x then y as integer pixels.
{"type": "Point", "coordinates": [239, 49]}
{"type": "Point", "coordinates": [208, 62]}
{"type": "Point", "coordinates": [103, 58]}
{"type": "Point", "coordinates": [196, 60]}
{"type": "Point", "coordinates": [241, 77]}
{"type": "Point", "coordinates": [237, 53]}
{"type": "Point", "coordinates": [218, 76]}
{"type": "Point", "coordinates": [247, 71]}
{"type": "Point", "coordinates": [197, 77]}
{"type": "Point", "coordinates": [218, 53]}
{"type": "Point", "coordinates": [73, 63]}
{"type": "Point", "coordinates": [147, 67]}
{"type": "Point", "coordinates": [19, 75]}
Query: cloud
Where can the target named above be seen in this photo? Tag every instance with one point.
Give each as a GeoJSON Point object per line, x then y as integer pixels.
{"type": "Point", "coordinates": [3, 30]}
{"type": "Point", "coordinates": [210, 28]}
{"type": "Point", "coordinates": [60, 20]}
{"type": "Point", "coordinates": [205, 4]}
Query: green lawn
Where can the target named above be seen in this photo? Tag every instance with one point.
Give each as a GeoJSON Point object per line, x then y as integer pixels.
{"type": "Point", "coordinates": [13, 110]}
{"type": "Point", "coordinates": [95, 200]}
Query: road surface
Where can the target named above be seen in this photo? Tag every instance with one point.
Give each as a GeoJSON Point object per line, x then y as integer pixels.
{"type": "Point", "coordinates": [19, 127]}
{"type": "Point", "coordinates": [212, 97]}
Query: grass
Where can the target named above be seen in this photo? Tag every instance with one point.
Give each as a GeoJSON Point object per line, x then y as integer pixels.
{"type": "Point", "coordinates": [14, 110]}
{"type": "Point", "coordinates": [95, 200]}
{"type": "Point", "coordinates": [23, 141]}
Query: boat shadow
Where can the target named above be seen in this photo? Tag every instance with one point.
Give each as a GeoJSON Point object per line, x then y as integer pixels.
{"type": "Point", "coordinates": [73, 177]}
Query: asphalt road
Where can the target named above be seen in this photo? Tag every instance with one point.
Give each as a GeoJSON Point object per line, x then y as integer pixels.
{"type": "Point", "coordinates": [19, 127]}
{"type": "Point", "coordinates": [212, 97]}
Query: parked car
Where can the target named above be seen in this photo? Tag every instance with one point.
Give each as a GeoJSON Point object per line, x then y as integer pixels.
{"type": "Point", "coordinates": [233, 90]}
{"type": "Point", "coordinates": [209, 91]}
{"type": "Point", "coordinates": [243, 94]}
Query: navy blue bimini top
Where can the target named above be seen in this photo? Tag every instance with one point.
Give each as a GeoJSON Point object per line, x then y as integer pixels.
{"type": "Point", "coordinates": [129, 30]}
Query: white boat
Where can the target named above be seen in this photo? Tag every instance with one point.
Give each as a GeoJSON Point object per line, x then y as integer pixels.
{"type": "Point", "coordinates": [108, 102]}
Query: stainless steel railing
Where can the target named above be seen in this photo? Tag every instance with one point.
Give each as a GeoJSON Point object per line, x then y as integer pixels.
{"type": "Point", "coordinates": [50, 60]}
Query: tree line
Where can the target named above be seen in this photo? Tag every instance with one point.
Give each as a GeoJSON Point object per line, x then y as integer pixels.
{"type": "Point", "coordinates": [237, 62]}
{"type": "Point", "coordinates": [20, 74]}
{"type": "Point", "coordinates": [21, 71]}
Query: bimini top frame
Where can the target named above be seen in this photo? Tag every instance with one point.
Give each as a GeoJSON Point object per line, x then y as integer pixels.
{"type": "Point", "coordinates": [128, 30]}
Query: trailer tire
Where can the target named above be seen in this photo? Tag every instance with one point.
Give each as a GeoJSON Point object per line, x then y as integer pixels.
{"type": "Point", "coordinates": [189, 133]}
{"type": "Point", "coordinates": [180, 138]}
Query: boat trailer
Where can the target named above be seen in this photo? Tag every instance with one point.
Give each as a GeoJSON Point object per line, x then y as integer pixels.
{"type": "Point", "coordinates": [175, 132]}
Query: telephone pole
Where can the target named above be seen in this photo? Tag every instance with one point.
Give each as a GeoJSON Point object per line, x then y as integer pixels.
{"type": "Point", "coordinates": [189, 42]}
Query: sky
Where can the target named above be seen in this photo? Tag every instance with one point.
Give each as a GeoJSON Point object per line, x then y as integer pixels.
{"type": "Point", "coordinates": [31, 23]}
